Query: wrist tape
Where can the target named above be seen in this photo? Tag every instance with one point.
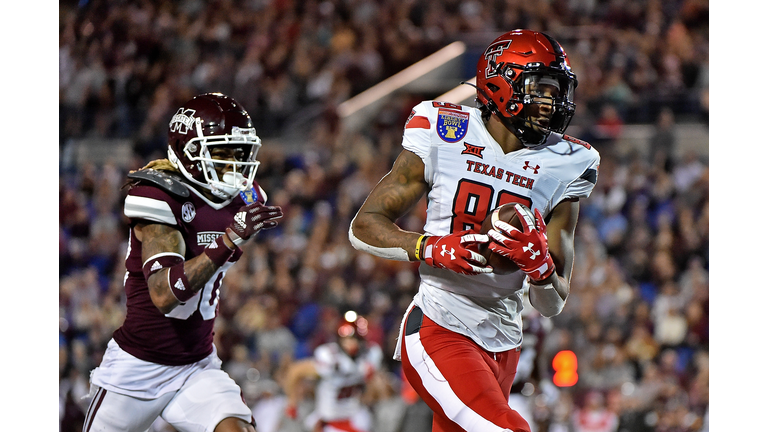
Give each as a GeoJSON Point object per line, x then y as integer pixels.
{"type": "Point", "coordinates": [218, 251]}
{"type": "Point", "coordinates": [160, 261]}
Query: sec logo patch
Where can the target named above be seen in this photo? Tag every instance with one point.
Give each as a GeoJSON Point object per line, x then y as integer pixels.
{"type": "Point", "coordinates": [452, 125]}
{"type": "Point", "coordinates": [188, 212]}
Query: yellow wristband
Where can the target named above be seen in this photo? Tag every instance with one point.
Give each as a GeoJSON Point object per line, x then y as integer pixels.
{"type": "Point", "coordinates": [418, 247]}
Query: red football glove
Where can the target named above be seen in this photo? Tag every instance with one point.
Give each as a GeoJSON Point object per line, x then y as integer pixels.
{"type": "Point", "coordinates": [528, 249]}
{"type": "Point", "coordinates": [251, 219]}
{"type": "Point", "coordinates": [451, 252]}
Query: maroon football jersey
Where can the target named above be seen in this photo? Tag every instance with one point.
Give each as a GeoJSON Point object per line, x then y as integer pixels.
{"type": "Point", "coordinates": [185, 335]}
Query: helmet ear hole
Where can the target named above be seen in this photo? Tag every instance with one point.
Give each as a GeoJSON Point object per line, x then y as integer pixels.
{"type": "Point", "coordinates": [492, 87]}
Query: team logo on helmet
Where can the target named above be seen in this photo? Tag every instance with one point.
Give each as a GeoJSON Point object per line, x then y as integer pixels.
{"type": "Point", "coordinates": [182, 121]}
{"type": "Point", "coordinates": [493, 51]}
{"type": "Point", "coordinates": [452, 125]}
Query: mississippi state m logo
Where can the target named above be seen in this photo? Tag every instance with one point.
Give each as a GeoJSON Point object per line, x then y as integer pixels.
{"type": "Point", "coordinates": [182, 121]}
{"type": "Point", "coordinates": [491, 53]}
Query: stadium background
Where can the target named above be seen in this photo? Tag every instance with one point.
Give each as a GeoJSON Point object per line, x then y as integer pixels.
{"type": "Point", "coordinates": [638, 315]}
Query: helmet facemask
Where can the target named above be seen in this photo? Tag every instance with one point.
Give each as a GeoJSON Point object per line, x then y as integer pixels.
{"type": "Point", "coordinates": [237, 165]}
{"type": "Point", "coordinates": [536, 88]}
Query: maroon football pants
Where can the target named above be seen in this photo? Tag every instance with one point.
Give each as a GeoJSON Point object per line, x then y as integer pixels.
{"type": "Point", "coordinates": [466, 387]}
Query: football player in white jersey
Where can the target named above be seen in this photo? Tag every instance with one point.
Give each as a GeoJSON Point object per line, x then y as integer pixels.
{"type": "Point", "coordinates": [461, 336]}
{"type": "Point", "coordinates": [344, 370]}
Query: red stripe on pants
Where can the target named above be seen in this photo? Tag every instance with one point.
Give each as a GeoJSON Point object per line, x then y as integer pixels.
{"type": "Point", "coordinates": [481, 380]}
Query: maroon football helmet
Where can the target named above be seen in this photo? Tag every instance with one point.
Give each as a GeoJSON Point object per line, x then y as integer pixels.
{"type": "Point", "coordinates": [213, 130]}
{"type": "Point", "coordinates": [511, 74]}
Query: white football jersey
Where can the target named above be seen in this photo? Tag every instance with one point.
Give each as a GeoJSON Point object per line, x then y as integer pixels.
{"type": "Point", "coordinates": [469, 175]}
{"type": "Point", "coordinates": [342, 379]}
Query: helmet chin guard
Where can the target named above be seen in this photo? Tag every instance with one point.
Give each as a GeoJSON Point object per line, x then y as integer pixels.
{"type": "Point", "coordinates": [213, 143]}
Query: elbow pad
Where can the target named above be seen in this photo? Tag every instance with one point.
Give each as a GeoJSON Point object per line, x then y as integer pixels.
{"type": "Point", "coordinates": [392, 253]}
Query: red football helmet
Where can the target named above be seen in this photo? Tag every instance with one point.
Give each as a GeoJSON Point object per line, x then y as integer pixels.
{"type": "Point", "coordinates": [510, 76]}
{"type": "Point", "coordinates": [205, 124]}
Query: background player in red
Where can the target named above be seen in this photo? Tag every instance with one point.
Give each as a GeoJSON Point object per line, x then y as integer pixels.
{"type": "Point", "coordinates": [189, 216]}
{"type": "Point", "coordinates": [344, 371]}
{"type": "Point", "coordinates": [461, 336]}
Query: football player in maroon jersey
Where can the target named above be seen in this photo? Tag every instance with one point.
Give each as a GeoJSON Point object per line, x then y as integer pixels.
{"type": "Point", "coordinates": [189, 215]}
{"type": "Point", "coordinates": [461, 336]}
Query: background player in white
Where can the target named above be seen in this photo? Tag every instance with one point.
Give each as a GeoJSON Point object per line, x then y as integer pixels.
{"type": "Point", "coordinates": [460, 339]}
{"type": "Point", "coordinates": [344, 370]}
{"type": "Point", "coordinates": [189, 215]}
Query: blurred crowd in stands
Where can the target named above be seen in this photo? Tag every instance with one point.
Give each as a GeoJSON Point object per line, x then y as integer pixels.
{"type": "Point", "coordinates": [638, 315]}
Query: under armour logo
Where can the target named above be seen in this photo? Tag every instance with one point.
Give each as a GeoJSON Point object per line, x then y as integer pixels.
{"type": "Point", "coordinates": [529, 248]}
{"type": "Point", "coordinates": [445, 251]}
{"type": "Point", "coordinates": [534, 168]}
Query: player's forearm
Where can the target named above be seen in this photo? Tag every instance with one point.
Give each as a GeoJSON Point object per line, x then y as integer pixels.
{"type": "Point", "coordinates": [198, 272]}
{"type": "Point", "coordinates": [380, 236]}
{"type": "Point", "coordinates": [549, 296]}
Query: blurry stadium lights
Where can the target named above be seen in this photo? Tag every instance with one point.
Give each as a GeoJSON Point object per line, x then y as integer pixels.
{"type": "Point", "coordinates": [462, 94]}
{"type": "Point", "coordinates": [369, 101]}
{"type": "Point", "coordinates": [565, 366]}
{"type": "Point", "coordinates": [350, 316]}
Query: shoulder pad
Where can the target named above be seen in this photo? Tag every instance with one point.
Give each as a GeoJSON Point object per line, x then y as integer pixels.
{"type": "Point", "coordinates": [167, 181]}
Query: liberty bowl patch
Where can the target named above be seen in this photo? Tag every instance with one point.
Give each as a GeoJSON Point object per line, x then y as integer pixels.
{"type": "Point", "coordinates": [249, 196]}
{"type": "Point", "coordinates": [452, 125]}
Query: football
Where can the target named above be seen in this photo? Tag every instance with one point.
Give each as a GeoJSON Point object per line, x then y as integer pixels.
{"type": "Point", "coordinates": [507, 213]}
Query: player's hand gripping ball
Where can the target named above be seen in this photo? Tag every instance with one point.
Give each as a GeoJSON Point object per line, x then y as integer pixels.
{"type": "Point", "coordinates": [526, 246]}
{"type": "Point", "coordinates": [506, 213]}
